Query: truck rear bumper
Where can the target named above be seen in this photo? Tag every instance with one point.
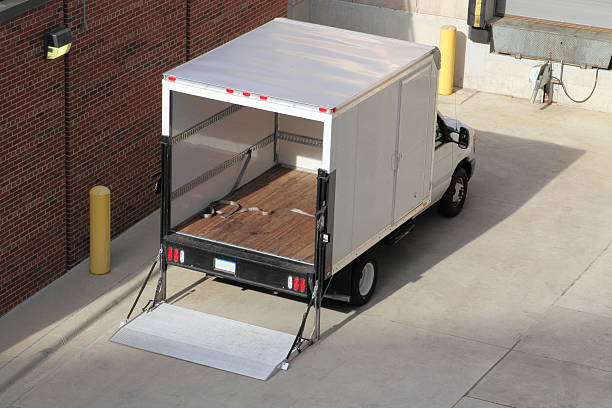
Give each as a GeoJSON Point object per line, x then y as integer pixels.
{"type": "Point", "coordinates": [241, 265]}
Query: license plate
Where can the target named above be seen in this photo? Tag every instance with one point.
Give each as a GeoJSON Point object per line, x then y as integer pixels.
{"type": "Point", "coordinates": [225, 266]}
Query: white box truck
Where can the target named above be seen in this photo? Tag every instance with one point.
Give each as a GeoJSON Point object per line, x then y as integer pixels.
{"type": "Point", "coordinates": [287, 154]}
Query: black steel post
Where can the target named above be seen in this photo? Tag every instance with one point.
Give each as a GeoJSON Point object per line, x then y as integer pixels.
{"type": "Point", "coordinates": [275, 137]}
{"type": "Point", "coordinates": [166, 197]}
{"type": "Point", "coordinates": [321, 240]}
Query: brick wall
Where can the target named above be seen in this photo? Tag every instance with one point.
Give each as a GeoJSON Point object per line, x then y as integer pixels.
{"type": "Point", "coordinates": [113, 106]}
{"type": "Point", "coordinates": [214, 22]}
{"type": "Point", "coordinates": [91, 117]}
{"type": "Point", "coordinates": [32, 158]}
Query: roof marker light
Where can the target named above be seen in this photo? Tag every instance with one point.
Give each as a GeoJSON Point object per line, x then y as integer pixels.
{"type": "Point", "coordinates": [246, 93]}
{"type": "Point", "coordinates": [263, 98]}
{"type": "Point", "coordinates": [323, 110]}
{"type": "Point", "coordinates": [332, 110]}
{"type": "Point", "coordinates": [172, 78]}
{"type": "Point", "coordinates": [229, 90]}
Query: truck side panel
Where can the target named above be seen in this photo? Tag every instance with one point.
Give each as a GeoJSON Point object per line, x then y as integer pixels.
{"type": "Point", "coordinates": [372, 195]}
{"type": "Point", "coordinates": [415, 140]}
{"type": "Point", "coordinates": [376, 137]}
{"type": "Point", "coordinates": [363, 144]}
{"type": "Point", "coordinates": [344, 130]}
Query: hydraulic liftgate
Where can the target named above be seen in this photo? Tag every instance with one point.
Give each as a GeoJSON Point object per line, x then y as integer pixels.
{"type": "Point", "coordinates": [211, 340]}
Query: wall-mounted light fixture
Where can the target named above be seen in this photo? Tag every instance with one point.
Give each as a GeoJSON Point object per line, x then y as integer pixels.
{"type": "Point", "coordinates": [57, 42]}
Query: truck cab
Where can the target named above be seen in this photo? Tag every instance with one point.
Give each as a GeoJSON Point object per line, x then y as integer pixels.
{"type": "Point", "coordinates": [454, 164]}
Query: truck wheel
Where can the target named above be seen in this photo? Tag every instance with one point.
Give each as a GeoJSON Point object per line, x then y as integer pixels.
{"type": "Point", "coordinates": [453, 199]}
{"type": "Point", "coordinates": [364, 273]}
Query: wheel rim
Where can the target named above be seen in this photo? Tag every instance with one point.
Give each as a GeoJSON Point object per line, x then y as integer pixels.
{"type": "Point", "coordinates": [367, 279]}
{"type": "Point", "coordinates": [459, 192]}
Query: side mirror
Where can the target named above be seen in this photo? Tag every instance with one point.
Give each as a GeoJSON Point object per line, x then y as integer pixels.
{"type": "Point", "coordinates": [464, 138]}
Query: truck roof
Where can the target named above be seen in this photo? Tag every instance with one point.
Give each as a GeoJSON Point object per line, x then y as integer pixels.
{"type": "Point", "coordinates": [303, 63]}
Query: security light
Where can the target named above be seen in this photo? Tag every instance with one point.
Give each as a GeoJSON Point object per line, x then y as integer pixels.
{"type": "Point", "coordinates": [57, 42]}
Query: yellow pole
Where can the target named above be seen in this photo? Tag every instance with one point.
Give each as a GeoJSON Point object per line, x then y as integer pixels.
{"type": "Point", "coordinates": [99, 230]}
{"type": "Point", "coordinates": [448, 45]}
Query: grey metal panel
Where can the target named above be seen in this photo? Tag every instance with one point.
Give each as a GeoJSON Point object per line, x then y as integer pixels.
{"type": "Point", "coordinates": [208, 340]}
{"type": "Point", "coordinates": [415, 140]}
{"type": "Point", "coordinates": [376, 137]}
{"type": "Point", "coordinates": [594, 13]}
{"type": "Point", "coordinates": [303, 63]}
{"type": "Point", "coordinates": [549, 42]}
{"type": "Point", "coordinates": [343, 162]}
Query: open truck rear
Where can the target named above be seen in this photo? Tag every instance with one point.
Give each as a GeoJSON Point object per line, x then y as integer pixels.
{"type": "Point", "coordinates": [287, 154]}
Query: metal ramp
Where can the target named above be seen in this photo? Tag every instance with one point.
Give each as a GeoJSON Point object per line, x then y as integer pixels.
{"type": "Point", "coordinates": [208, 340]}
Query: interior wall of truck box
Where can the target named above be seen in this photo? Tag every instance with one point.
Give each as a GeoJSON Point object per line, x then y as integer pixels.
{"type": "Point", "coordinates": [298, 155]}
{"type": "Point", "coordinates": [365, 139]}
{"type": "Point", "coordinates": [224, 139]}
{"type": "Point", "coordinates": [212, 146]}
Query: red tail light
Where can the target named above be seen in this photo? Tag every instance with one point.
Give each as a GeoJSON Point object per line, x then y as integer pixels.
{"type": "Point", "coordinates": [296, 283]}
{"type": "Point", "coordinates": [302, 285]}
{"type": "Point", "coordinates": [169, 254]}
{"type": "Point", "coordinates": [176, 255]}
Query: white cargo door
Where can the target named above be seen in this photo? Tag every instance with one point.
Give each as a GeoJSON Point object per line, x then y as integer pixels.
{"type": "Point", "coordinates": [373, 174]}
{"type": "Point", "coordinates": [415, 141]}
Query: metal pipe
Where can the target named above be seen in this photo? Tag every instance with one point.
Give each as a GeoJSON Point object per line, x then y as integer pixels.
{"type": "Point", "coordinates": [448, 46]}
{"type": "Point", "coordinates": [99, 230]}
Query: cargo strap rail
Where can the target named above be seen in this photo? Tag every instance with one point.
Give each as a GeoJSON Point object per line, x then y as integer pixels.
{"type": "Point", "coordinates": [220, 168]}
{"type": "Point", "coordinates": [205, 123]}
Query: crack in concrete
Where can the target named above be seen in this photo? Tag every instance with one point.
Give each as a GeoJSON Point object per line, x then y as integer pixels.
{"type": "Point", "coordinates": [582, 273]}
{"type": "Point", "coordinates": [491, 402]}
{"type": "Point", "coordinates": [487, 372]}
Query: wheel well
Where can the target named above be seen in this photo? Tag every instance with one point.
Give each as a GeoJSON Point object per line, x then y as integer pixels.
{"type": "Point", "coordinates": [465, 164]}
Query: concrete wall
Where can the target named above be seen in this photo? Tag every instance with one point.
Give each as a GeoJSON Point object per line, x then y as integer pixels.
{"type": "Point", "coordinates": [477, 67]}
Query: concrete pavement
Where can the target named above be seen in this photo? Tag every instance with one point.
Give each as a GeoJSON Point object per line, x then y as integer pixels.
{"type": "Point", "coordinates": [509, 304]}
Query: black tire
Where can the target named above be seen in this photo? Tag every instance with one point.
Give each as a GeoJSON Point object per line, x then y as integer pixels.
{"type": "Point", "coordinates": [451, 203]}
{"type": "Point", "coordinates": [361, 265]}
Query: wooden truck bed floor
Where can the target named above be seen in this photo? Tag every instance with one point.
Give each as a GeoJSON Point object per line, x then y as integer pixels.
{"type": "Point", "coordinates": [286, 234]}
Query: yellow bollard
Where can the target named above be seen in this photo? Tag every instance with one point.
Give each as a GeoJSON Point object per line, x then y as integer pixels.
{"type": "Point", "coordinates": [448, 45]}
{"type": "Point", "coordinates": [99, 230]}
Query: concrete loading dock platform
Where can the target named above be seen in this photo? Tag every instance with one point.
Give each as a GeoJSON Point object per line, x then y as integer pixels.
{"type": "Point", "coordinates": [504, 305]}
